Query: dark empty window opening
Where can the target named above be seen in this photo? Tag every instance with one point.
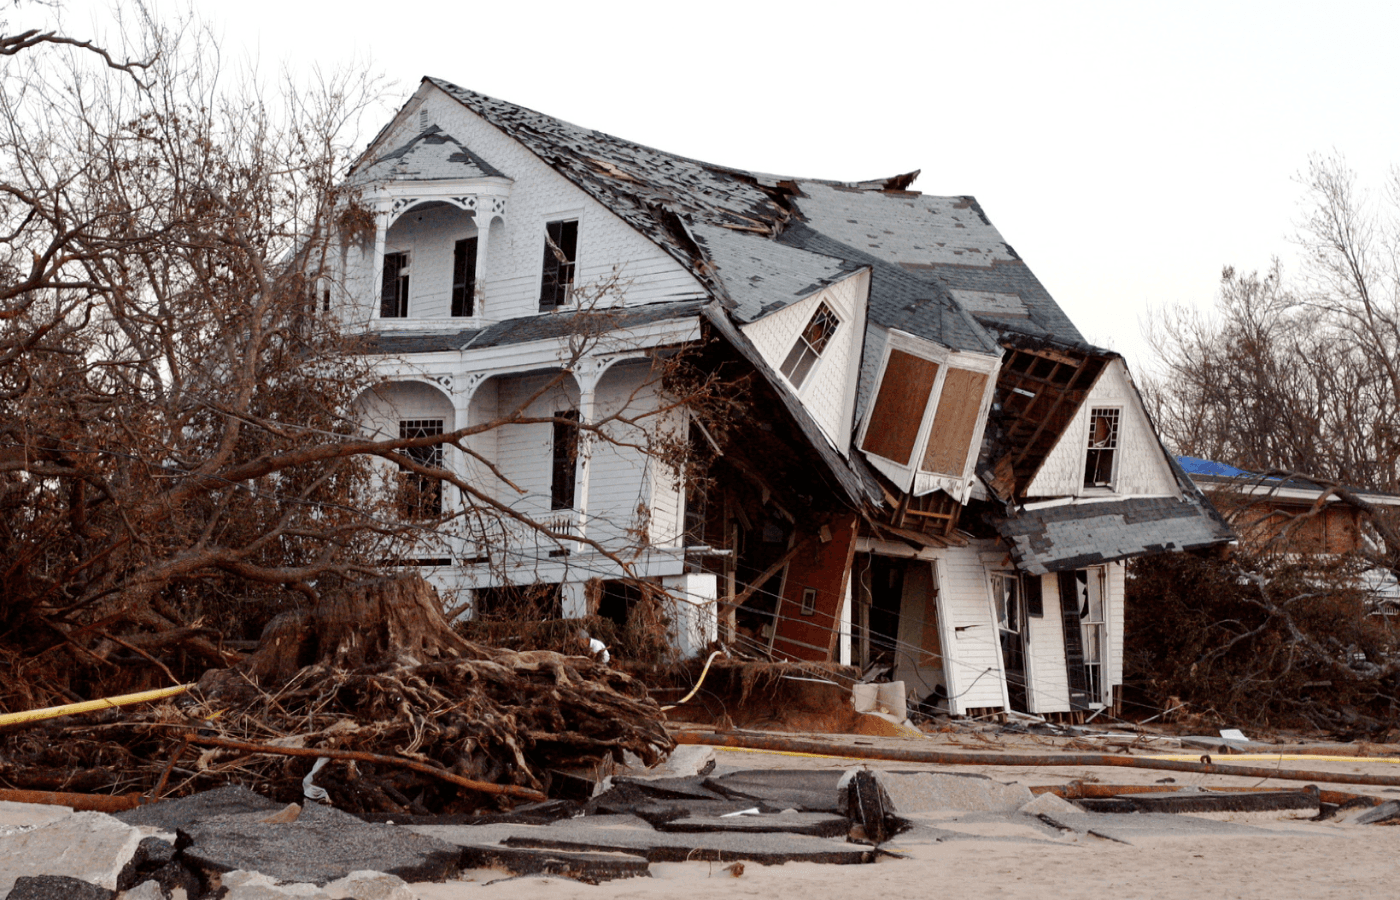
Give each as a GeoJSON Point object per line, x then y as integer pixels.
{"type": "Point", "coordinates": [810, 344]}
{"type": "Point", "coordinates": [393, 301]}
{"type": "Point", "coordinates": [1103, 447]}
{"type": "Point", "coordinates": [518, 603]}
{"type": "Point", "coordinates": [809, 601]}
{"type": "Point", "coordinates": [565, 477]}
{"type": "Point", "coordinates": [420, 496]}
{"type": "Point", "coordinates": [464, 278]}
{"type": "Point", "coordinates": [560, 255]}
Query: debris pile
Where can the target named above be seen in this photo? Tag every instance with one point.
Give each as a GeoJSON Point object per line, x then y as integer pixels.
{"type": "Point", "coordinates": [408, 716]}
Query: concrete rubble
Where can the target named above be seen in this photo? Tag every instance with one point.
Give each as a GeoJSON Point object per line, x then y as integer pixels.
{"type": "Point", "coordinates": [234, 844]}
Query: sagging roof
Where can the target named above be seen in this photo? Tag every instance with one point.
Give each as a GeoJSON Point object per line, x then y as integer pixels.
{"type": "Point", "coordinates": [430, 155]}
{"type": "Point", "coordinates": [950, 255]}
{"type": "Point", "coordinates": [1075, 535]}
{"type": "Point", "coordinates": [542, 327]}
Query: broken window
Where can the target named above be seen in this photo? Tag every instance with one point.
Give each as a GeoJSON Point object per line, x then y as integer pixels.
{"type": "Point", "coordinates": [1103, 447]}
{"type": "Point", "coordinates": [810, 344]}
{"type": "Point", "coordinates": [393, 299]}
{"type": "Point", "coordinates": [464, 278]}
{"type": "Point", "coordinates": [565, 475]}
{"type": "Point", "coordinates": [1011, 625]}
{"type": "Point", "coordinates": [560, 255]}
{"type": "Point", "coordinates": [1082, 594]}
{"type": "Point", "coordinates": [420, 496]}
{"type": "Point", "coordinates": [809, 601]}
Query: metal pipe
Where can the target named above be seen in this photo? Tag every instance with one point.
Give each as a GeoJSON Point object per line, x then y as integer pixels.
{"type": "Point", "coordinates": [946, 758]}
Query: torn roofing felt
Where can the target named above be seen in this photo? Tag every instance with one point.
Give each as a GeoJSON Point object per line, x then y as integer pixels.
{"type": "Point", "coordinates": [1075, 535]}
{"type": "Point", "coordinates": [429, 155]}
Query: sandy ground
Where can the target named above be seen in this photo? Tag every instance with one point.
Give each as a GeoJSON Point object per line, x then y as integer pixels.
{"type": "Point", "coordinates": [1294, 859]}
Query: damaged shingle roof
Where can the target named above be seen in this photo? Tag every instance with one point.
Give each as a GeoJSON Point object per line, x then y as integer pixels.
{"type": "Point", "coordinates": [712, 219]}
{"type": "Point", "coordinates": [1075, 535]}
{"type": "Point", "coordinates": [430, 155]}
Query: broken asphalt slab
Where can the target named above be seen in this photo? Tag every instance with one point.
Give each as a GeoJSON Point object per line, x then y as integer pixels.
{"type": "Point", "coordinates": [170, 815]}
{"type": "Point", "coordinates": [808, 790]}
{"type": "Point", "coordinates": [322, 845]}
{"type": "Point", "coordinates": [587, 867]}
{"type": "Point", "coordinates": [814, 824]}
{"type": "Point", "coordinates": [626, 834]}
{"type": "Point", "coordinates": [57, 887]}
{"type": "Point", "coordinates": [89, 846]}
{"type": "Point", "coordinates": [915, 792]}
{"type": "Point", "coordinates": [1206, 801]}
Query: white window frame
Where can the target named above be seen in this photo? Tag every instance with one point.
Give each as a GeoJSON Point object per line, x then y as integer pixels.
{"type": "Point", "coordinates": [802, 339]}
{"type": "Point", "coordinates": [566, 215]}
{"type": "Point", "coordinates": [1086, 437]}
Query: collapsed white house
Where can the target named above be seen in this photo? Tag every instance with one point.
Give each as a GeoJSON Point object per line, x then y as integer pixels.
{"type": "Point", "coordinates": [936, 474]}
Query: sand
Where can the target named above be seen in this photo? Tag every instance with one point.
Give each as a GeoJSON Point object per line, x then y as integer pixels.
{"type": "Point", "coordinates": [1292, 858]}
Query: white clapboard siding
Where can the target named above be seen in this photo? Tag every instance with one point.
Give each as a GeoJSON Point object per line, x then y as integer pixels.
{"type": "Point", "coordinates": [1141, 468]}
{"type": "Point", "coordinates": [1116, 611]}
{"type": "Point", "coordinates": [608, 248]}
{"type": "Point", "coordinates": [974, 653]}
{"type": "Point", "coordinates": [828, 392]}
{"type": "Point", "coordinates": [1046, 653]}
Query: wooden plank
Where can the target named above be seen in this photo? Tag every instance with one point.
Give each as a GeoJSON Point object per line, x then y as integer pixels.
{"type": "Point", "coordinates": [899, 406]}
{"type": "Point", "coordinates": [955, 422]}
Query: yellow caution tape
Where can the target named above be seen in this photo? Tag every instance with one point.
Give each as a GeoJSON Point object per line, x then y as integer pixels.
{"type": "Point", "coordinates": [72, 709]}
{"type": "Point", "coordinates": [1232, 757]}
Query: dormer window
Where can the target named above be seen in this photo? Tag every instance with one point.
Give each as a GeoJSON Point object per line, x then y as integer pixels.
{"type": "Point", "coordinates": [393, 302]}
{"type": "Point", "coordinates": [1103, 447]}
{"type": "Point", "coordinates": [560, 255]}
{"type": "Point", "coordinates": [810, 344]}
{"type": "Point", "coordinates": [464, 277]}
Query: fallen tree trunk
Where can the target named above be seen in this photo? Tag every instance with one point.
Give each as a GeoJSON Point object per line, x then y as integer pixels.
{"type": "Point", "coordinates": [946, 758]}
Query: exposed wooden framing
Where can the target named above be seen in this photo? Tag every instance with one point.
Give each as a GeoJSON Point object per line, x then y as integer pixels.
{"type": "Point", "coordinates": [1050, 413]}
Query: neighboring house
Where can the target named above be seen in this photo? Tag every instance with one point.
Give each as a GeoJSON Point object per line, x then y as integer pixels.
{"type": "Point", "coordinates": [1294, 515]}
{"type": "Point", "coordinates": [936, 474]}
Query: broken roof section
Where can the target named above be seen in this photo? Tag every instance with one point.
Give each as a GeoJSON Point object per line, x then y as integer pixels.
{"type": "Point", "coordinates": [430, 155]}
{"type": "Point", "coordinates": [1074, 535]}
{"type": "Point", "coordinates": [960, 276]}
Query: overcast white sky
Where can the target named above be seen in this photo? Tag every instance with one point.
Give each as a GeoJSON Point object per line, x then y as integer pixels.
{"type": "Point", "coordinates": [1126, 150]}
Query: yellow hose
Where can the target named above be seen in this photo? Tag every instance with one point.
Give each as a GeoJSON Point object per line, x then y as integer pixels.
{"type": "Point", "coordinates": [72, 709]}
{"type": "Point", "coordinates": [698, 682]}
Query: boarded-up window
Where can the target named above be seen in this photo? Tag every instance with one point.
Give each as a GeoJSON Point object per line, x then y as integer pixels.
{"type": "Point", "coordinates": [899, 406]}
{"type": "Point", "coordinates": [955, 422]}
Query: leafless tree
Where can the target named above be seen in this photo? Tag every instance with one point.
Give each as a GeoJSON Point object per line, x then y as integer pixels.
{"type": "Point", "coordinates": [178, 456]}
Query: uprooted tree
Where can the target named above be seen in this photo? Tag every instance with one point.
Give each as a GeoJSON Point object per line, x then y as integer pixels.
{"type": "Point", "coordinates": [1290, 377]}
{"type": "Point", "coordinates": [180, 458]}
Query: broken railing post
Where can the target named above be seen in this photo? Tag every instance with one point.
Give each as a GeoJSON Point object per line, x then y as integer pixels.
{"type": "Point", "coordinates": [946, 758]}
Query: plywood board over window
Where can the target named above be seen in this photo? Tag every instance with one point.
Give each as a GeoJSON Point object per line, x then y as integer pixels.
{"type": "Point", "coordinates": [899, 406]}
{"type": "Point", "coordinates": [955, 422]}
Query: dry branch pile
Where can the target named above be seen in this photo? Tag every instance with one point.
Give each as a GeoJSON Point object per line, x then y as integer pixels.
{"type": "Point", "coordinates": [389, 679]}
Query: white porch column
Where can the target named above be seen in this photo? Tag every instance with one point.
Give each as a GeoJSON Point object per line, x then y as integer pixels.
{"type": "Point", "coordinates": [587, 373]}
{"type": "Point", "coordinates": [694, 600]}
{"type": "Point", "coordinates": [483, 241]}
{"type": "Point", "coordinates": [376, 285]}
